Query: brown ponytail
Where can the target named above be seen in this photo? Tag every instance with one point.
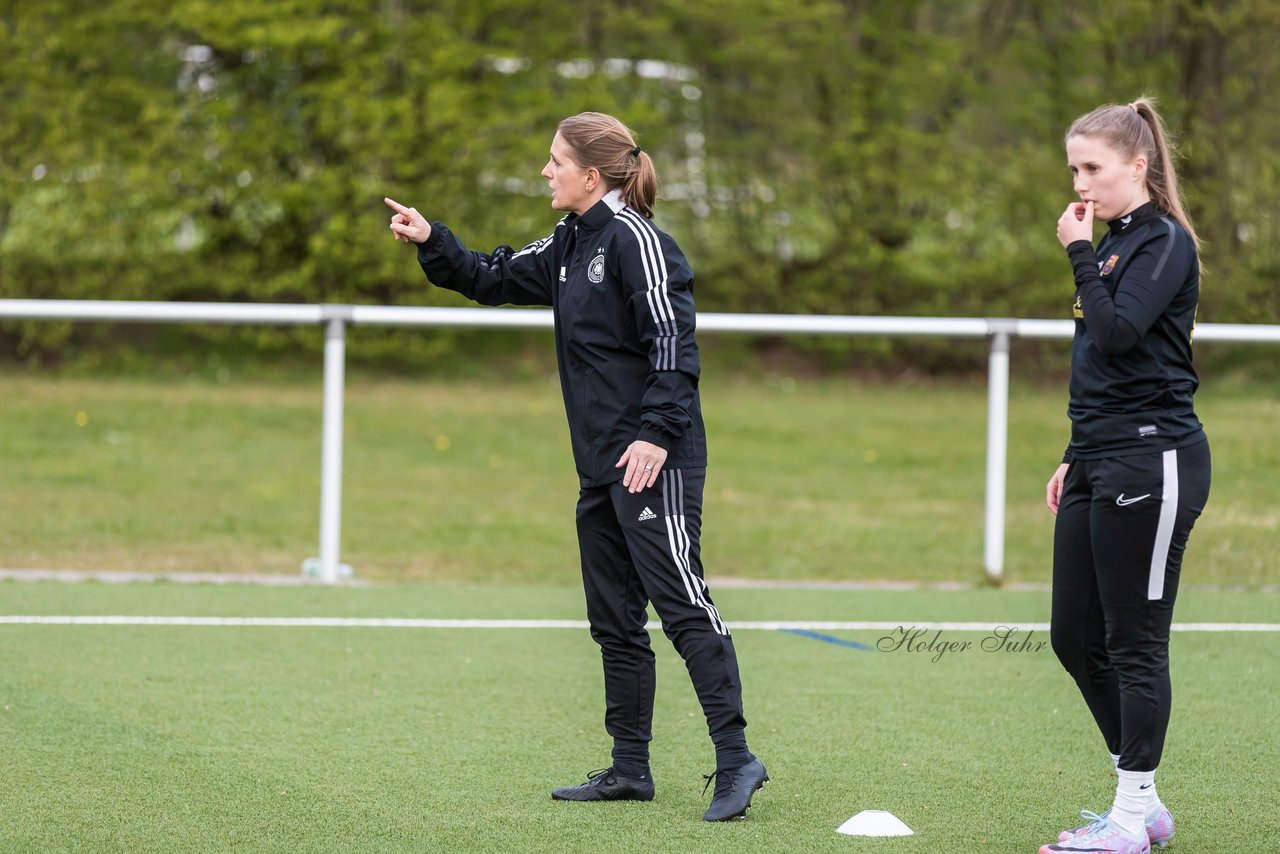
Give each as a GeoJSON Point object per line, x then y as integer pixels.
{"type": "Point", "coordinates": [601, 142]}
{"type": "Point", "coordinates": [1135, 130]}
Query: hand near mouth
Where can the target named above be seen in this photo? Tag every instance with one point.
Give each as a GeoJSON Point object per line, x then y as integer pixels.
{"type": "Point", "coordinates": [1076, 223]}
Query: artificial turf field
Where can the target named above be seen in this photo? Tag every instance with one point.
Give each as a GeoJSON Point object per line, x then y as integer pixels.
{"type": "Point", "coordinates": [355, 738]}
{"type": "Point", "coordinates": [362, 738]}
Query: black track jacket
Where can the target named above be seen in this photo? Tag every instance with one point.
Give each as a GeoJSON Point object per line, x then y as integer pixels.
{"type": "Point", "coordinates": [1132, 380]}
{"type": "Point", "coordinates": [622, 295]}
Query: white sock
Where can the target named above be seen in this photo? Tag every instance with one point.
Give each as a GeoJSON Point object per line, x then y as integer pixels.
{"type": "Point", "coordinates": [1153, 801]}
{"type": "Point", "coordinates": [1134, 792]}
{"type": "Point", "coordinates": [1153, 804]}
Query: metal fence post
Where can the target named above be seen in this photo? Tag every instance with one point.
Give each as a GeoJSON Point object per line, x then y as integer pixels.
{"type": "Point", "coordinates": [335, 342]}
{"type": "Point", "coordinates": [997, 447]}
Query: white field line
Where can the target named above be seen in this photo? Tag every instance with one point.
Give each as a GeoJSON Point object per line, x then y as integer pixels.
{"type": "Point", "coordinates": [718, 582]}
{"type": "Point", "coordinates": [415, 623]}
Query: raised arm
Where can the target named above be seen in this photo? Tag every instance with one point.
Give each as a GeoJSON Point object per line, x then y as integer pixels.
{"type": "Point", "coordinates": [502, 277]}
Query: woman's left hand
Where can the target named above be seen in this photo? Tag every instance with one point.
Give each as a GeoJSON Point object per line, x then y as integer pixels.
{"type": "Point", "coordinates": [1076, 223]}
{"type": "Point", "coordinates": [643, 461]}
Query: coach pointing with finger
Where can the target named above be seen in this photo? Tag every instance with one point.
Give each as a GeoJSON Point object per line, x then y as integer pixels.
{"type": "Point", "coordinates": [621, 292]}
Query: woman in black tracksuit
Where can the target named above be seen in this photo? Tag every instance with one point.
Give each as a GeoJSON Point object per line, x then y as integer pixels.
{"type": "Point", "coordinates": [622, 295]}
{"type": "Point", "coordinates": [1135, 476]}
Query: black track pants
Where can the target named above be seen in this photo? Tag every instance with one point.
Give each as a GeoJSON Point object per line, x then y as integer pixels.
{"type": "Point", "coordinates": [1122, 527]}
{"type": "Point", "coordinates": [640, 548]}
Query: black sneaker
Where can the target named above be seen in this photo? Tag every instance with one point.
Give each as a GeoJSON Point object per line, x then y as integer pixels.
{"type": "Point", "coordinates": [607, 785]}
{"type": "Point", "coordinates": [734, 788]}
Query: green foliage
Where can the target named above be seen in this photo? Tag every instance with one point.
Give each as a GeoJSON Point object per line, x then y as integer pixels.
{"type": "Point", "coordinates": [825, 156]}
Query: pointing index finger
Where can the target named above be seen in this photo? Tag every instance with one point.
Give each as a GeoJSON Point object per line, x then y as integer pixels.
{"type": "Point", "coordinates": [395, 206]}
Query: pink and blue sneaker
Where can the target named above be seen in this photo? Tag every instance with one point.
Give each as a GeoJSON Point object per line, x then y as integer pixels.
{"type": "Point", "coordinates": [1159, 826]}
{"type": "Point", "coordinates": [1101, 836]}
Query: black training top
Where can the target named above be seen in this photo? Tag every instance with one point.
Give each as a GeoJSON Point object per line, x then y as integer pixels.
{"type": "Point", "coordinates": [622, 295]}
{"type": "Point", "coordinates": [1132, 379]}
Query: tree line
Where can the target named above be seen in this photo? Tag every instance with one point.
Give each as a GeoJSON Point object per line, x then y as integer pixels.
{"type": "Point", "coordinates": [828, 156]}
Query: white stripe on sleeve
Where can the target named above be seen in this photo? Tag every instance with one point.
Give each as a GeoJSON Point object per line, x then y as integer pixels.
{"type": "Point", "coordinates": [655, 270]}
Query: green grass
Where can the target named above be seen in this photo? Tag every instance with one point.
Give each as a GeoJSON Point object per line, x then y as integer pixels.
{"type": "Point", "coordinates": [356, 739]}
{"type": "Point", "coordinates": [464, 480]}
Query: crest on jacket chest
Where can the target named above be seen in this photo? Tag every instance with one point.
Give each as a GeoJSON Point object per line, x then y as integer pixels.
{"type": "Point", "coordinates": [595, 271]}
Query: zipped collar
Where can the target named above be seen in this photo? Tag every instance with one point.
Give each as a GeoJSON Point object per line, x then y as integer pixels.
{"type": "Point", "coordinates": [600, 213]}
{"type": "Point", "coordinates": [1136, 216]}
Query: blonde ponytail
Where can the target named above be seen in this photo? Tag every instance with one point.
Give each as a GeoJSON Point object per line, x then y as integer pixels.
{"type": "Point", "coordinates": [601, 142]}
{"type": "Point", "coordinates": [1162, 175]}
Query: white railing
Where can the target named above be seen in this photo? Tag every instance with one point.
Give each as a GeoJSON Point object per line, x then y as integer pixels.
{"type": "Point", "coordinates": [336, 319]}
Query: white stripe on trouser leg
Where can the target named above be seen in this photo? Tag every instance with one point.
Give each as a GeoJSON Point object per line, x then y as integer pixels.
{"type": "Point", "coordinates": [1164, 530]}
{"type": "Point", "coordinates": [699, 585]}
{"type": "Point", "coordinates": [678, 540]}
{"type": "Point", "coordinates": [678, 537]}
{"type": "Point", "coordinates": [668, 512]}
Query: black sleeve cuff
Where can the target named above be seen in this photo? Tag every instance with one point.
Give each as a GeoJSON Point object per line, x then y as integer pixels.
{"type": "Point", "coordinates": [434, 242]}
{"type": "Point", "coordinates": [655, 437]}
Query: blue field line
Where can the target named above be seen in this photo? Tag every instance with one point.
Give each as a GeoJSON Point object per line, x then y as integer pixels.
{"type": "Point", "coordinates": [805, 633]}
